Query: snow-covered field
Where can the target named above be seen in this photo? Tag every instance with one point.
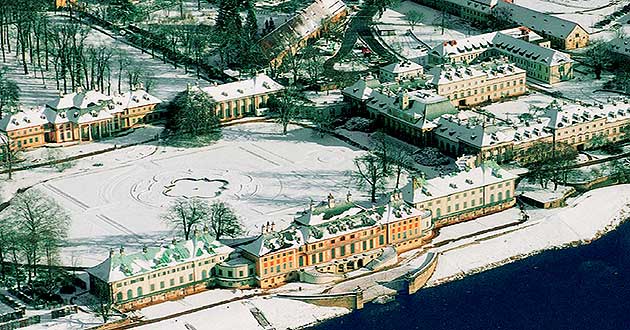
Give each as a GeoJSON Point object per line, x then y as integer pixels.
{"type": "Point", "coordinates": [265, 176]}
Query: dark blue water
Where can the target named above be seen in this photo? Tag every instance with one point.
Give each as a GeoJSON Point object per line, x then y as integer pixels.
{"type": "Point", "coordinates": [587, 288]}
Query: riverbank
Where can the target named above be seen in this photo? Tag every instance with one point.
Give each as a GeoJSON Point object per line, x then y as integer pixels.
{"type": "Point", "coordinates": [584, 219]}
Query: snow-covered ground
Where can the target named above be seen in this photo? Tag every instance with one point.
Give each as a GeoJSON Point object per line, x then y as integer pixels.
{"type": "Point", "coordinates": [512, 109]}
{"type": "Point", "coordinates": [583, 219]}
{"type": "Point", "coordinates": [265, 176]}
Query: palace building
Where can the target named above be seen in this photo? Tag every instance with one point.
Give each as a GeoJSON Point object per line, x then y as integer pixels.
{"type": "Point", "coordinates": [484, 82]}
{"type": "Point", "coordinates": [242, 98]}
{"type": "Point", "coordinates": [78, 117]}
{"type": "Point", "coordinates": [158, 274]}
{"type": "Point", "coordinates": [463, 196]}
{"type": "Point", "coordinates": [405, 70]}
{"type": "Point", "coordinates": [574, 124]}
{"type": "Point", "coordinates": [540, 63]}
{"type": "Point", "coordinates": [562, 33]}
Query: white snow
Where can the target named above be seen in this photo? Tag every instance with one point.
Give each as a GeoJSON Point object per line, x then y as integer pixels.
{"type": "Point", "coordinates": [583, 219]}
{"type": "Point", "coordinates": [269, 176]}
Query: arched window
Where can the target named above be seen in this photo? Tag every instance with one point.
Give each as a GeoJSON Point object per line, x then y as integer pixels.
{"type": "Point", "coordinates": [129, 294]}
{"type": "Point", "coordinates": [507, 194]}
{"type": "Point", "coordinates": [119, 296]}
{"type": "Point", "coordinates": [438, 213]}
{"type": "Point", "coordinates": [492, 198]}
{"type": "Point", "coordinates": [139, 291]}
{"type": "Point", "coordinates": [204, 274]}
{"type": "Point", "coordinates": [500, 196]}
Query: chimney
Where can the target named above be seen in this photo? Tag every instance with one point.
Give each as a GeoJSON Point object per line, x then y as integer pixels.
{"type": "Point", "coordinates": [348, 197]}
{"type": "Point", "coordinates": [122, 250]}
{"type": "Point", "coordinates": [273, 226]}
{"type": "Point", "coordinates": [404, 100]}
{"type": "Point", "coordinates": [331, 201]}
{"type": "Point", "coordinates": [310, 205]}
{"type": "Point", "coordinates": [174, 241]}
{"type": "Point", "coordinates": [144, 249]}
{"type": "Point", "coordinates": [111, 253]}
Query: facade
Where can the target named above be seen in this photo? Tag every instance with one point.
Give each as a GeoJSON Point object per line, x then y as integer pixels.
{"type": "Point", "coordinates": [242, 98]}
{"type": "Point", "coordinates": [307, 24]}
{"type": "Point", "coordinates": [78, 117]}
{"type": "Point", "coordinates": [562, 33]}
{"type": "Point", "coordinates": [398, 71]}
{"type": "Point", "coordinates": [24, 129]}
{"type": "Point", "coordinates": [485, 82]}
{"type": "Point", "coordinates": [334, 235]}
{"type": "Point", "coordinates": [540, 63]}
{"type": "Point", "coordinates": [463, 196]}
{"type": "Point", "coordinates": [158, 274]}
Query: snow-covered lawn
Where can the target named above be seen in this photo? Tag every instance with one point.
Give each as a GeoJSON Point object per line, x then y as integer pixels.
{"type": "Point", "coordinates": [265, 176]}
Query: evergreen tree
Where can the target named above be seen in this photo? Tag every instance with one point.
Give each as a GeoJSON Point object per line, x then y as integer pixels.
{"type": "Point", "coordinates": [228, 18]}
{"type": "Point", "coordinates": [251, 23]}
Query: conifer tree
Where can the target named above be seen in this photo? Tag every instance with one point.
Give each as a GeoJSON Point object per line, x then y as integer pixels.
{"type": "Point", "coordinates": [251, 23]}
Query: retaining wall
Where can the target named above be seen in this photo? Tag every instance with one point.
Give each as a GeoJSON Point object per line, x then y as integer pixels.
{"type": "Point", "coordinates": [350, 300]}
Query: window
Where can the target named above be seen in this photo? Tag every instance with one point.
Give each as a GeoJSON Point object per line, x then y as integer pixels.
{"type": "Point", "coordinates": [204, 274]}
{"type": "Point", "coordinates": [172, 282]}
{"type": "Point", "coordinates": [119, 296]}
{"type": "Point", "coordinates": [301, 261]}
{"type": "Point", "coordinates": [129, 294]}
{"type": "Point", "coordinates": [313, 259]}
{"type": "Point", "coordinates": [352, 248]}
{"type": "Point", "coordinates": [321, 257]}
{"type": "Point", "coordinates": [342, 250]}
{"type": "Point", "coordinates": [139, 291]}
{"type": "Point", "coordinates": [332, 253]}
{"type": "Point", "coordinates": [381, 240]}
{"type": "Point", "coordinates": [162, 285]}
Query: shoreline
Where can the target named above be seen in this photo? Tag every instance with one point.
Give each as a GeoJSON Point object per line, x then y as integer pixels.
{"type": "Point", "coordinates": [604, 225]}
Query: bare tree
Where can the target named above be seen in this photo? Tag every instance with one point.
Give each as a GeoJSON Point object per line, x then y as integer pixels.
{"type": "Point", "coordinates": [185, 214]}
{"type": "Point", "coordinates": [223, 221]}
{"type": "Point", "coordinates": [369, 174]}
{"type": "Point", "coordinates": [414, 17]}
{"type": "Point", "coordinates": [44, 222]}
{"type": "Point", "coordinates": [101, 303]}
{"type": "Point", "coordinates": [402, 160]}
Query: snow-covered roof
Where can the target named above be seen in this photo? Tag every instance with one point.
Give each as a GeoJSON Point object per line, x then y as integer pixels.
{"type": "Point", "coordinates": [119, 266]}
{"type": "Point", "coordinates": [79, 100]}
{"type": "Point", "coordinates": [484, 6]}
{"type": "Point", "coordinates": [323, 222]}
{"type": "Point", "coordinates": [416, 113]}
{"type": "Point", "coordinates": [402, 67]}
{"type": "Point", "coordinates": [23, 119]}
{"type": "Point", "coordinates": [574, 114]}
{"type": "Point", "coordinates": [303, 24]}
{"type": "Point", "coordinates": [361, 89]}
{"type": "Point", "coordinates": [446, 74]}
{"type": "Point", "coordinates": [260, 84]}
{"type": "Point", "coordinates": [419, 190]}
{"type": "Point", "coordinates": [620, 46]}
{"type": "Point", "coordinates": [134, 99]}
{"type": "Point", "coordinates": [523, 32]}
{"type": "Point", "coordinates": [504, 43]}
{"type": "Point", "coordinates": [541, 22]}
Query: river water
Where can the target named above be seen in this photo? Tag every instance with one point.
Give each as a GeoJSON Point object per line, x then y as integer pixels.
{"type": "Point", "coordinates": [586, 287]}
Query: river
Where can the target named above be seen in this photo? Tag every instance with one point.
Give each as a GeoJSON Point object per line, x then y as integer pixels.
{"type": "Point", "coordinates": [586, 287]}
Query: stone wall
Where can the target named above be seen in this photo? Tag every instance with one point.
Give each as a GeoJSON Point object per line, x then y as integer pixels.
{"type": "Point", "coordinates": [349, 300]}
{"type": "Point", "coordinates": [418, 279]}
